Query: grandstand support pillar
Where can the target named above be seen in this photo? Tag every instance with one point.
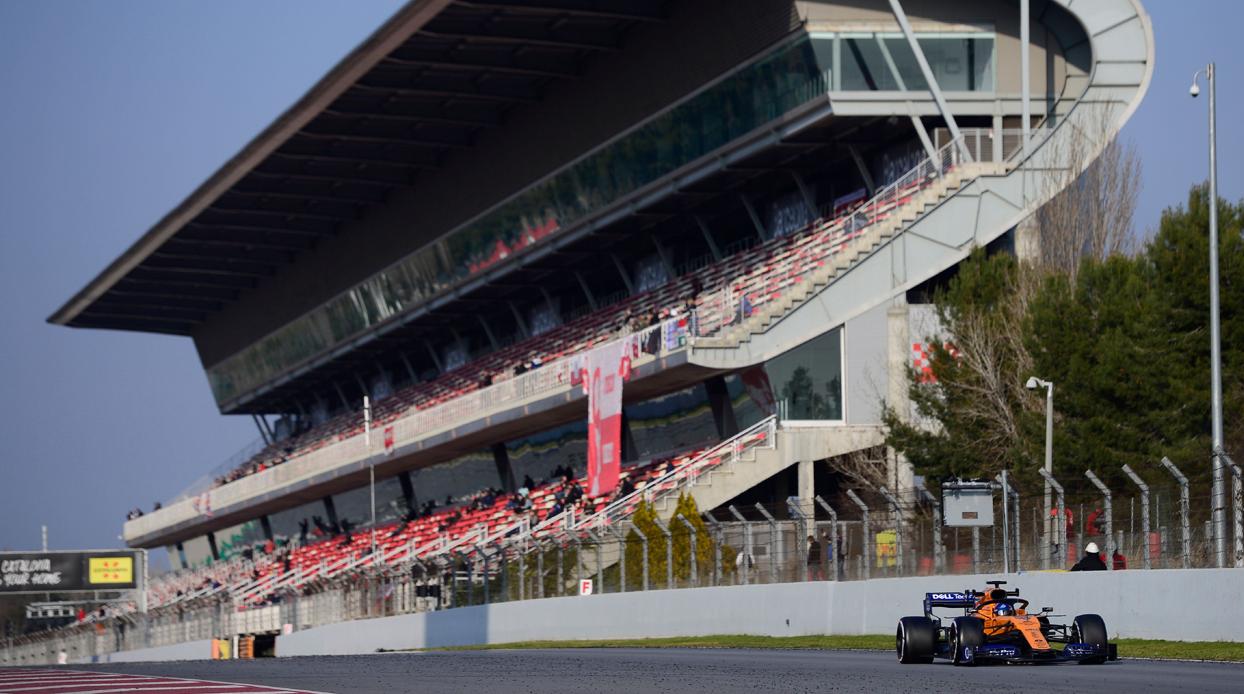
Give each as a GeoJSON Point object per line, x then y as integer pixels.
{"type": "Point", "coordinates": [561, 569]}
{"type": "Point", "coordinates": [626, 277]}
{"type": "Point", "coordinates": [865, 175]}
{"type": "Point", "coordinates": [751, 213]}
{"type": "Point", "coordinates": [925, 140]}
{"type": "Point", "coordinates": [410, 370]}
{"type": "Point", "coordinates": [330, 508]}
{"type": "Point", "coordinates": [809, 200]}
{"type": "Point", "coordinates": [345, 402]}
{"type": "Point", "coordinates": [664, 254]}
{"type": "Point", "coordinates": [929, 78]}
{"type": "Point", "coordinates": [436, 358]}
{"type": "Point", "coordinates": [408, 490]}
{"type": "Point", "coordinates": [492, 339]}
{"type": "Point", "coordinates": [997, 139]}
{"type": "Point", "coordinates": [629, 450]}
{"type": "Point", "coordinates": [548, 301]}
{"type": "Point", "coordinates": [722, 407]}
{"type": "Point", "coordinates": [263, 432]}
{"type": "Point", "coordinates": [505, 471]}
{"type": "Point", "coordinates": [518, 315]}
{"type": "Point", "coordinates": [211, 545]}
{"type": "Point", "coordinates": [807, 487]}
{"type": "Point", "coordinates": [266, 525]}
{"type": "Point", "coordinates": [708, 237]}
{"type": "Point", "coordinates": [898, 351]}
{"type": "Point", "coordinates": [587, 290]}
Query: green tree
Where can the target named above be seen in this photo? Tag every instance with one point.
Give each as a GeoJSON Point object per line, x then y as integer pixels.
{"type": "Point", "coordinates": [973, 418]}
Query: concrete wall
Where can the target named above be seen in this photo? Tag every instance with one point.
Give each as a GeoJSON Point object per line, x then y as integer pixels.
{"type": "Point", "coordinates": [1172, 604]}
{"type": "Point", "coordinates": [190, 650]}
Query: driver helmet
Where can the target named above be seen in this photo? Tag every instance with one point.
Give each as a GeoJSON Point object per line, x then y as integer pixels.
{"type": "Point", "coordinates": [1004, 609]}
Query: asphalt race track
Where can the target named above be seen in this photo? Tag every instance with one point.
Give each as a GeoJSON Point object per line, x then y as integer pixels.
{"type": "Point", "coordinates": [718, 671]}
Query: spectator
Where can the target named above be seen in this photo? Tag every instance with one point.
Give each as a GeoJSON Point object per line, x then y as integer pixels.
{"type": "Point", "coordinates": [156, 506]}
{"type": "Point", "coordinates": [814, 560]}
{"type": "Point", "coordinates": [302, 532]}
{"type": "Point", "coordinates": [1091, 560]}
{"type": "Point", "coordinates": [528, 482]}
{"type": "Point", "coordinates": [1120, 561]}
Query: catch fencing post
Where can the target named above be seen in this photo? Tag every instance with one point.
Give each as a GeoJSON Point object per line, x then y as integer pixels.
{"type": "Point", "coordinates": [643, 539]}
{"type": "Point", "coordinates": [717, 540]}
{"type": "Point", "coordinates": [866, 528]}
{"type": "Point", "coordinates": [539, 591]}
{"type": "Point", "coordinates": [695, 573]}
{"type": "Point", "coordinates": [1144, 512]}
{"type": "Point", "coordinates": [833, 536]}
{"type": "Point", "coordinates": [1237, 506]}
{"type": "Point", "coordinates": [617, 531]}
{"type": "Point", "coordinates": [669, 553]}
{"type": "Point", "coordinates": [775, 542]}
{"type": "Point", "coordinates": [747, 543]}
{"type": "Point", "coordinates": [1061, 525]}
{"type": "Point", "coordinates": [1108, 507]}
{"type": "Point", "coordinates": [939, 554]}
{"type": "Point", "coordinates": [484, 556]}
{"type": "Point", "coordinates": [898, 529]}
{"type": "Point", "coordinates": [1185, 529]}
{"type": "Point", "coordinates": [561, 569]}
{"type": "Point", "coordinates": [1006, 522]}
{"type": "Point", "coordinates": [792, 506]}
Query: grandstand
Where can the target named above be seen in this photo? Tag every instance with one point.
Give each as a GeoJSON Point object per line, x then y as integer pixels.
{"type": "Point", "coordinates": [748, 201]}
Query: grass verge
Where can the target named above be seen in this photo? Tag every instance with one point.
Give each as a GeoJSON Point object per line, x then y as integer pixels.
{"type": "Point", "coordinates": [1227, 651]}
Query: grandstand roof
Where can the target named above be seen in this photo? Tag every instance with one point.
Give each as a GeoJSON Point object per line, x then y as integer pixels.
{"type": "Point", "coordinates": [425, 83]}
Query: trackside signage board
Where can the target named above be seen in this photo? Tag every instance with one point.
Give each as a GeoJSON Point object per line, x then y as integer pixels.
{"type": "Point", "coordinates": [40, 572]}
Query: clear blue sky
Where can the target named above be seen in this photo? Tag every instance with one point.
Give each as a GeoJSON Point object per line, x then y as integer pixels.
{"type": "Point", "coordinates": [114, 111]}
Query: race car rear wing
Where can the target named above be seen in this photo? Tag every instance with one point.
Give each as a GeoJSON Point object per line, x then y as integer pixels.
{"type": "Point", "coordinates": [956, 599]}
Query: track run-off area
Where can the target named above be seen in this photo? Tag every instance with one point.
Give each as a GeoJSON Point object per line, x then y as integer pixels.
{"type": "Point", "coordinates": [601, 670]}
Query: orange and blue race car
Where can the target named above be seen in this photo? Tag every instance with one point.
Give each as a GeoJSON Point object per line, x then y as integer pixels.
{"type": "Point", "coordinates": [996, 627]}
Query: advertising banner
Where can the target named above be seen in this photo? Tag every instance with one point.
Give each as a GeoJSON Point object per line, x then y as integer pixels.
{"type": "Point", "coordinates": [51, 572]}
{"type": "Point", "coordinates": [605, 369]}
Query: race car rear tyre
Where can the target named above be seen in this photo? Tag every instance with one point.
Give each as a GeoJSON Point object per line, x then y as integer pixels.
{"type": "Point", "coordinates": [915, 639]}
{"type": "Point", "coordinates": [1090, 628]}
{"type": "Point", "coordinates": [965, 632]}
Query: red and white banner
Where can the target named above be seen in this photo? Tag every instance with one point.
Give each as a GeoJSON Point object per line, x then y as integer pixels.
{"type": "Point", "coordinates": [604, 370]}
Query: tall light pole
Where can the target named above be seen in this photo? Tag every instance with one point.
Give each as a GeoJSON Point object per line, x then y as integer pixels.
{"type": "Point", "coordinates": [1215, 350]}
{"type": "Point", "coordinates": [1033, 384]}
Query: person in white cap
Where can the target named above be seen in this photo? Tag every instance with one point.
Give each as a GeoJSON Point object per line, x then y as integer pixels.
{"type": "Point", "coordinates": [1091, 560]}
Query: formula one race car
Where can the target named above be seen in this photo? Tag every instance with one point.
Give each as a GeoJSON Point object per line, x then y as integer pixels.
{"type": "Point", "coordinates": [996, 627]}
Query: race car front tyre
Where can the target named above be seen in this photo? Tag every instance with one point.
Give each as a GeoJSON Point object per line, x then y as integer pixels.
{"type": "Point", "coordinates": [966, 633]}
{"type": "Point", "coordinates": [915, 639]}
{"type": "Point", "coordinates": [1091, 629]}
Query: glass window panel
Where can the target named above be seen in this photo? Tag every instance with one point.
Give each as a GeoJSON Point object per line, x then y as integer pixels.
{"type": "Point", "coordinates": [809, 378]}
{"type": "Point", "coordinates": [785, 78]}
